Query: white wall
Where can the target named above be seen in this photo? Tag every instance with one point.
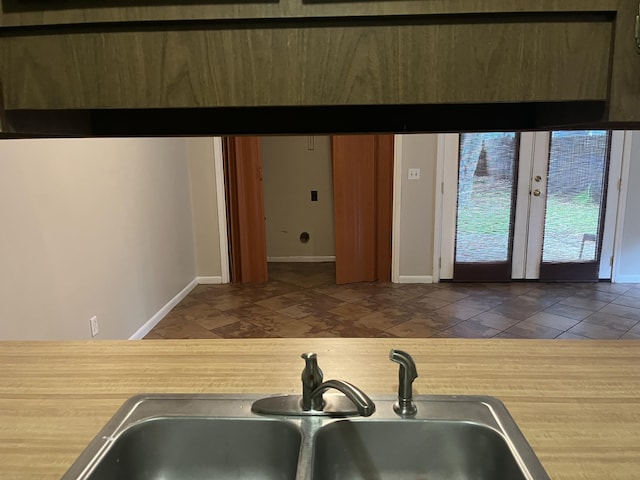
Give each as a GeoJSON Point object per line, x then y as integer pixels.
{"type": "Point", "coordinates": [204, 205]}
{"type": "Point", "coordinates": [417, 206]}
{"type": "Point", "coordinates": [290, 170]}
{"type": "Point", "coordinates": [628, 261]}
{"type": "Point", "coordinates": [91, 227]}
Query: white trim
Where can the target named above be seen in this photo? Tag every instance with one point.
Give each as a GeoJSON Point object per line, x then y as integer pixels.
{"type": "Point", "coordinates": [160, 314]}
{"type": "Point", "coordinates": [537, 206]}
{"type": "Point", "coordinates": [209, 280]}
{"type": "Point", "coordinates": [622, 204]}
{"type": "Point", "coordinates": [438, 205]}
{"type": "Point", "coordinates": [397, 208]}
{"type": "Point", "coordinates": [303, 258]}
{"type": "Point", "coordinates": [524, 175]}
{"type": "Point", "coordinates": [627, 279]}
{"type": "Point", "coordinates": [611, 203]}
{"type": "Point", "coordinates": [415, 279]}
{"type": "Point", "coordinates": [222, 209]}
{"type": "Point", "coordinates": [450, 157]}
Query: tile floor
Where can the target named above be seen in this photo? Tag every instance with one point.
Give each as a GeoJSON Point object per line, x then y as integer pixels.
{"type": "Point", "coordinates": [302, 300]}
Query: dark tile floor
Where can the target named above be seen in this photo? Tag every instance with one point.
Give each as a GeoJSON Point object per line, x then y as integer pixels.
{"type": "Point", "coordinates": [302, 300]}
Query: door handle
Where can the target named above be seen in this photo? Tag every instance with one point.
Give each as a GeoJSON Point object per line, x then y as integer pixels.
{"type": "Point", "coordinates": [536, 193]}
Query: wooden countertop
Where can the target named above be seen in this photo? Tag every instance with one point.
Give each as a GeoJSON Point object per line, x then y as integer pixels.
{"type": "Point", "coordinates": [577, 402]}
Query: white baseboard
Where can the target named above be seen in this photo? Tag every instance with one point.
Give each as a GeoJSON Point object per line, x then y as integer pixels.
{"type": "Point", "coordinates": [302, 259]}
{"type": "Point", "coordinates": [153, 321]}
{"type": "Point", "coordinates": [415, 279]}
{"type": "Point", "coordinates": [627, 279]}
{"type": "Point", "coordinates": [209, 280]}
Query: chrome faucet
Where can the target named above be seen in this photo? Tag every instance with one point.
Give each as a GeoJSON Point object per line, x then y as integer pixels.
{"type": "Point", "coordinates": [313, 388]}
{"type": "Point", "coordinates": [311, 402]}
{"type": "Point", "coordinates": [406, 375]}
{"type": "Point", "coordinates": [361, 400]}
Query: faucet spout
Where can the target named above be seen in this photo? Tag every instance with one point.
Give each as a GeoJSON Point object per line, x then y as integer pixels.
{"type": "Point", "coordinates": [406, 375]}
{"type": "Point", "coordinates": [361, 400]}
{"type": "Point", "coordinates": [311, 402]}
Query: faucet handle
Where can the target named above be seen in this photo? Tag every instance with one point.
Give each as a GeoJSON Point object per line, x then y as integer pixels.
{"type": "Point", "coordinates": [406, 375]}
{"type": "Point", "coordinates": [311, 377]}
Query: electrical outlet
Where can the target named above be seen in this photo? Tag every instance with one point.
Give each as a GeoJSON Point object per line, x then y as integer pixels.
{"type": "Point", "coordinates": [414, 174]}
{"type": "Point", "coordinates": [94, 326]}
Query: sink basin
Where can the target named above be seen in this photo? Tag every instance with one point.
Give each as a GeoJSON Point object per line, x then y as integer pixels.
{"type": "Point", "coordinates": [412, 449]}
{"type": "Point", "coordinates": [194, 437]}
{"type": "Point", "coordinates": [190, 437]}
{"type": "Point", "coordinates": [198, 448]}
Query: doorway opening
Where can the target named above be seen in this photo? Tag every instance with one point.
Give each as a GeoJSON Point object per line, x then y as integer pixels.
{"type": "Point", "coordinates": [297, 177]}
{"type": "Point", "coordinates": [274, 215]}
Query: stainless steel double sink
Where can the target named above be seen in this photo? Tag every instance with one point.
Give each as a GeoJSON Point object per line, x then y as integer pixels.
{"type": "Point", "coordinates": [189, 437]}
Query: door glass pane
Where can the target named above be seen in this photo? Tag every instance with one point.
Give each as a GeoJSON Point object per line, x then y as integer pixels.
{"type": "Point", "coordinates": [575, 190]}
{"type": "Point", "coordinates": [486, 179]}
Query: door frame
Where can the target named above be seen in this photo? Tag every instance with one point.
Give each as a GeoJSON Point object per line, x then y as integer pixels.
{"type": "Point", "coordinates": [396, 208]}
{"type": "Point", "coordinates": [221, 188]}
{"type": "Point", "coordinates": [621, 190]}
{"type": "Point", "coordinates": [218, 167]}
{"type": "Point", "coordinates": [446, 200]}
{"type": "Point", "coordinates": [529, 228]}
{"type": "Point", "coordinates": [619, 160]}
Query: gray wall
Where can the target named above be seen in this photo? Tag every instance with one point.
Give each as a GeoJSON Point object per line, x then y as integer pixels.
{"type": "Point", "coordinates": [204, 206]}
{"type": "Point", "coordinates": [417, 206]}
{"type": "Point", "coordinates": [91, 227]}
{"type": "Point", "coordinates": [290, 170]}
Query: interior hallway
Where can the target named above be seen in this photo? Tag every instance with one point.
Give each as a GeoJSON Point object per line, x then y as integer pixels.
{"type": "Point", "coordinates": [302, 300]}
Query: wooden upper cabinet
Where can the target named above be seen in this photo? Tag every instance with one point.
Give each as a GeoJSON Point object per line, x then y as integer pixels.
{"type": "Point", "coordinates": [26, 13]}
{"type": "Point", "coordinates": [520, 59]}
{"type": "Point", "coordinates": [387, 62]}
{"type": "Point", "coordinates": [625, 75]}
{"type": "Point", "coordinates": [362, 53]}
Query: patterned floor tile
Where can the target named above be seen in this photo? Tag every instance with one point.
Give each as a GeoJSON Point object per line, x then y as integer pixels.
{"type": "Point", "coordinates": [533, 330]}
{"type": "Point", "coordinates": [415, 328]}
{"type": "Point", "coordinates": [595, 331]}
{"type": "Point", "coordinates": [554, 321]}
{"type": "Point", "coordinates": [302, 300]}
{"type": "Point", "coordinates": [468, 329]}
{"type": "Point", "coordinates": [611, 321]}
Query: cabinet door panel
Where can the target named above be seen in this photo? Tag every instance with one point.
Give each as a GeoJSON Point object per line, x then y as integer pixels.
{"type": "Point", "coordinates": [198, 68]}
{"type": "Point", "coordinates": [389, 61]}
{"type": "Point", "coordinates": [505, 62]}
{"type": "Point", "coordinates": [625, 78]}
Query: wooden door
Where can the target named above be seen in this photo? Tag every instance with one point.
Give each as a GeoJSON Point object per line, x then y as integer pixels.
{"type": "Point", "coordinates": [574, 200]}
{"type": "Point", "coordinates": [245, 210]}
{"type": "Point", "coordinates": [362, 189]}
{"type": "Point", "coordinates": [624, 103]}
{"type": "Point", "coordinates": [485, 218]}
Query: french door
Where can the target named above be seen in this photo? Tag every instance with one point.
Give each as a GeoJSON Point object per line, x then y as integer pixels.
{"type": "Point", "coordinates": [530, 205]}
{"type": "Point", "coordinates": [487, 179]}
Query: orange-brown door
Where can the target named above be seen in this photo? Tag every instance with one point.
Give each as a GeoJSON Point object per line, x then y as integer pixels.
{"type": "Point", "coordinates": [245, 210]}
{"type": "Point", "coordinates": [362, 189]}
